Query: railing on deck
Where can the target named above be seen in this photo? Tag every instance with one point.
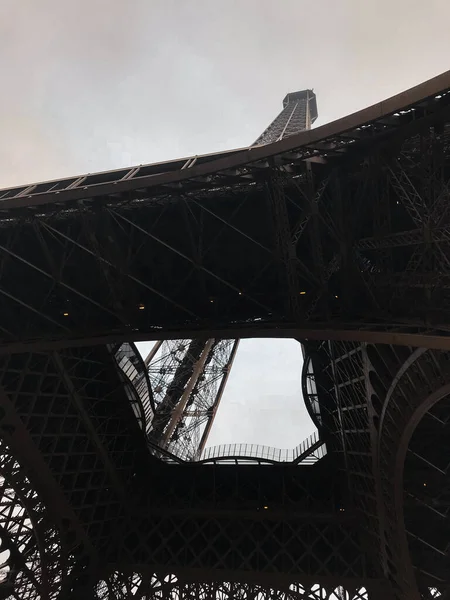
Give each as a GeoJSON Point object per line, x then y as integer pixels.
{"type": "Point", "coordinates": [307, 453]}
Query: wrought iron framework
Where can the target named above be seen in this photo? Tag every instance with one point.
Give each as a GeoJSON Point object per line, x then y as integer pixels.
{"type": "Point", "coordinates": [356, 256]}
{"type": "Point", "coordinates": [33, 560]}
{"type": "Point", "coordinates": [188, 378]}
{"type": "Point", "coordinates": [137, 231]}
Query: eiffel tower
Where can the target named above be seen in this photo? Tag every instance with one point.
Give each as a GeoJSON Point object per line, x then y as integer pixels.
{"type": "Point", "coordinates": [336, 236]}
{"type": "Point", "coordinates": [188, 377]}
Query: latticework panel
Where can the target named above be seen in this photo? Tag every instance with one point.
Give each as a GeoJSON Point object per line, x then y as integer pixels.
{"type": "Point", "coordinates": [174, 379]}
{"type": "Point", "coordinates": [147, 586]}
{"type": "Point", "coordinates": [281, 544]}
{"type": "Point", "coordinates": [248, 519]}
{"type": "Point", "coordinates": [33, 562]}
{"type": "Point", "coordinates": [74, 407]}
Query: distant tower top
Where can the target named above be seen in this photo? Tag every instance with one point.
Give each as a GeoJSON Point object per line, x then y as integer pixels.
{"type": "Point", "coordinates": [299, 113]}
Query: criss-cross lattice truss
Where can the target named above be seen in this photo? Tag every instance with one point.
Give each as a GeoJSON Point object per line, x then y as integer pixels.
{"type": "Point", "coordinates": [32, 565]}
{"type": "Point", "coordinates": [156, 587]}
{"type": "Point", "coordinates": [188, 378]}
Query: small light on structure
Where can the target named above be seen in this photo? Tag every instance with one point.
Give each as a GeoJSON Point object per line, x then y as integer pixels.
{"type": "Point", "coordinates": [240, 293]}
{"type": "Point", "coordinates": [66, 314]}
{"type": "Point", "coordinates": [342, 509]}
{"type": "Point", "coordinates": [336, 296]}
{"type": "Point", "coordinates": [211, 300]}
{"type": "Point", "coordinates": [265, 507]}
{"type": "Point", "coordinates": [302, 293]}
{"type": "Point", "coordinates": [424, 485]}
{"type": "Point", "coordinates": [141, 307]}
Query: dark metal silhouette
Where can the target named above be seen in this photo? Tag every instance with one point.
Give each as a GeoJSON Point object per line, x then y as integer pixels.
{"type": "Point", "coordinates": [336, 236]}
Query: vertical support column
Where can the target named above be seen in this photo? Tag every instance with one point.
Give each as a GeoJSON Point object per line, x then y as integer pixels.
{"type": "Point", "coordinates": [176, 386]}
{"type": "Point", "coordinates": [181, 405]}
{"type": "Point", "coordinates": [151, 355]}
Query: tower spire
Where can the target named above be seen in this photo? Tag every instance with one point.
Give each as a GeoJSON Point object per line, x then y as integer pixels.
{"type": "Point", "coordinates": [299, 113]}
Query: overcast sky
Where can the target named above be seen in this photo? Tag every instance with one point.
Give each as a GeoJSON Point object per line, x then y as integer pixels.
{"type": "Point", "coordinates": [90, 85]}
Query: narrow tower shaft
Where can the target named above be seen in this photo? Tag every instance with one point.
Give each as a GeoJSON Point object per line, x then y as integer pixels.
{"type": "Point", "coordinates": [299, 113]}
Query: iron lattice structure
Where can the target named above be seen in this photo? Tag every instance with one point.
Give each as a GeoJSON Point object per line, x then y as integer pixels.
{"type": "Point", "coordinates": [298, 114]}
{"type": "Point", "coordinates": [395, 456]}
{"type": "Point", "coordinates": [338, 237]}
{"type": "Point", "coordinates": [189, 376]}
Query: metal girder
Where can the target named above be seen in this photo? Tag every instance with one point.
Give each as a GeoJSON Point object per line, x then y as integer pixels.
{"type": "Point", "coordinates": [228, 223]}
{"type": "Point", "coordinates": [400, 334]}
{"type": "Point", "coordinates": [18, 439]}
{"type": "Point", "coordinates": [285, 249]}
{"type": "Point", "coordinates": [212, 292]}
{"type": "Point", "coordinates": [218, 397]}
{"type": "Point", "coordinates": [180, 406]}
{"type": "Point", "coordinates": [170, 371]}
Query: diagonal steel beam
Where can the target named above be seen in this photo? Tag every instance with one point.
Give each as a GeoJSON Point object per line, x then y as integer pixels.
{"type": "Point", "coordinates": [190, 260]}
{"type": "Point", "coordinates": [32, 309]}
{"type": "Point", "coordinates": [131, 277]}
{"type": "Point", "coordinates": [59, 282]}
{"type": "Point", "coordinates": [222, 220]}
{"type": "Point", "coordinates": [409, 195]}
{"type": "Point", "coordinates": [19, 440]}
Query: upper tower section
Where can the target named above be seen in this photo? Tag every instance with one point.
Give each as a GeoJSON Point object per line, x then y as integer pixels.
{"type": "Point", "coordinates": [299, 113]}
